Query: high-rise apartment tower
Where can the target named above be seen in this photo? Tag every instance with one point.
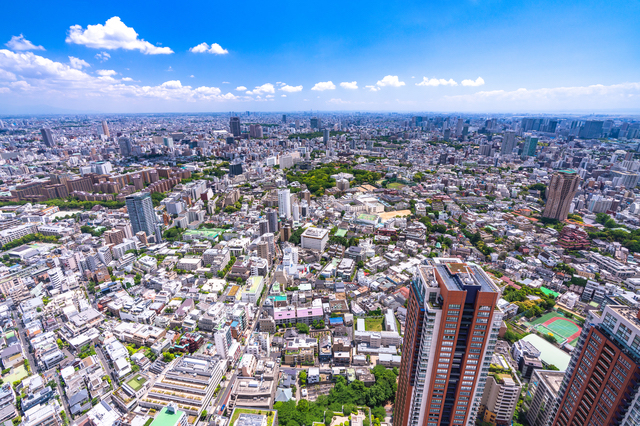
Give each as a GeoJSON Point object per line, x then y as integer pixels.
{"type": "Point", "coordinates": [560, 193]}
{"type": "Point", "coordinates": [448, 348]}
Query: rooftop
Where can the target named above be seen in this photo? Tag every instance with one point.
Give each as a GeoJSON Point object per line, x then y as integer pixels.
{"type": "Point", "coordinates": [136, 382]}
{"type": "Point", "coordinates": [553, 379]}
{"type": "Point", "coordinates": [164, 418]}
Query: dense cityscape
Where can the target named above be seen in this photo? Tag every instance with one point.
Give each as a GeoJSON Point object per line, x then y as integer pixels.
{"type": "Point", "coordinates": [301, 268]}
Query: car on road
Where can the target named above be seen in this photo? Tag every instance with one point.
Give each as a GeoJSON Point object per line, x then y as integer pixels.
{"type": "Point", "coordinates": [303, 392]}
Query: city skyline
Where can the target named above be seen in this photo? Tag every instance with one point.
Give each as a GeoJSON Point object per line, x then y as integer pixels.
{"type": "Point", "coordinates": [471, 57]}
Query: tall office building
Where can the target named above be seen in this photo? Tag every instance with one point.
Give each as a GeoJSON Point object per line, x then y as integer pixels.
{"type": "Point", "coordinates": [602, 382]}
{"type": "Point", "coordinates": [105, 128]}
{"type": "Point", "coordinates": [315, 123]}
{"type": "Point", "coordinates": [459, 125]}
{"type": "Point", "coordinates": [47, 137]}
{"type": "Point", "coordinates": [272, 218]}
{"type": "Point", "coordinates": [508, 142]}
{"type": "Point", "coordinates": [235, 169]}
{"type": "Point", "coordinates": [284, 118]}
{"type": "Point", "coordinates": [325, 135]}
{"type": "Point", "coordinates": [448, 348]}
{"type": "Point", "coordinates": [234, 126]}
{"type": "Point", "coordinates": [263, 227]}
{"type": "Point", "coordinates": [284, 203]}
{"type": "Point", "coordinates": [126, 148]}
{"type": "Point", "coordinates": [529, 147]}
{"type": "Point", "coordinates": [255, 131]}
{"type": "Point", "coordinates": [141, 213]}
{"type": "Point", "coordinates": [592, 129]}
{"type": "Point", "coordinates": [560, 193]}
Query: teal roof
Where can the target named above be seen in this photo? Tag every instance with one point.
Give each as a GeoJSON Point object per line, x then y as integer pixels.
{"type": "Point", "coordinates": [167, 419]}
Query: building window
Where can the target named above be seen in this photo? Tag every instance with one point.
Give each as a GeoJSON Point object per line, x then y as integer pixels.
{"type": "Point", "coordinates": [610, 321]}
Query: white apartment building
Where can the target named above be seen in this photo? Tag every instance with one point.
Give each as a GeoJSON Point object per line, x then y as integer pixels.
{"type": "Point", "coordinates": [315, 239]}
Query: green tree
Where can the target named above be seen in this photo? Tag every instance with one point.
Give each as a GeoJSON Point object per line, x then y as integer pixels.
{"type": "Point", "coordinates": [302, 328]}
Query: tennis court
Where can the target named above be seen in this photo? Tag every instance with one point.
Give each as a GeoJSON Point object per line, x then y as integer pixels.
{"type": "Point", "coordinates": [560, 327]}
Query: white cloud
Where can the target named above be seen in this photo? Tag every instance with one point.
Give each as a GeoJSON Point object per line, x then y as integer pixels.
{"type": "Point", "coordinates": [106, 73]}
{"type": "Point", "coordinates": [291, 89]}
{"type": "Point", "coordinates": [215, 49]}
{"type": "Point", "coordinates": [7, 76]}
{"type": "Point", "coordinates": [478, 82]}
{"type": "Point", "coordinates": [241, 88]}
{"type": "Point", "coordinates": [283, 96]}
{"type": "Point", "coordinates": [114, 34]}
{"type": "Point", "coordinates": [259, 90]}
{"type": "Point", "coordinates": [372, 88]}
{"type": "Point", "coordinates": [269, 96]}
{"type": "Point", "coordinates": [324, 85]}
{"type": "Point", "coordinates": [127, 79]}
{"type": "Point", "coordinates": [103, 56]}
{"type": "Point", "coordinates": [390, 80]}
{"type": "Point", "coordinates": [21, 85]}
{"type": "Point", "coordinates": [596, 96]}
{"type": "Point", "coordinates": [436, 82]}
{"type": "Point", "coordinates": [225, 82]}
{"type": "Point", "coordinates": [192, 76]}
{"type": "Point", "coordinates": [26, 71]}
{"type": "Point", "coordinates": [349, 85]}
{"type": "Point", "coordinates": [78, 63]}
{"type": "Point", "coordinates": [21, 43]}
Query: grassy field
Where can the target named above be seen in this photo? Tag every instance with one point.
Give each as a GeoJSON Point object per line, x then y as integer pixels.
{"type": "Point", "coordinates": [238, 411]}
{"type": "Point", "coordinates": [17, 373]}
{"type": "Point", "coordinates": [373, 324]}
{"type": "Point", "coordinates": [136, 384]}
{"type": "Point", "coordinates": [395, 185]}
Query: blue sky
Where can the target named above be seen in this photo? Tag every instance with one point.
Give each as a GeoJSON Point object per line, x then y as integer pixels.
{"type": "Point", "coordinates": [493, 56]}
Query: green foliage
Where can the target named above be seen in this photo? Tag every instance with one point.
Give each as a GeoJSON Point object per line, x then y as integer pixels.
{"type": "Point", "coordinates": [156, 197]}
{"type": "Point", "coordinates": [302, 328]}
{"type": "Point", "coordinates": [576, 280]}
{"type": "Point", "coordinates": [303, 377]}
{"type": "Point", "coordinates": [296, 236]}
{"type": "Point", "coordinates": [552, 367]}
{"type": "Point", "coordinates": [90, 230]}
{"type": "Point", "coordinates": [349, 396]}
{"type": "Point", "coordinates": [168, 356]}
{"type": "Point", "coordinates": [319, 179]}
{"type": "Point", "coordinates": [29, 239]}
{"type": "Point", "coordinates": [86, 351]}
{"type": "Point", "coordinates": [227, 268]}
{"type": "Point", "coordinates": [173, 234]}
{"type": "Point", "coordinates": [531, 308]}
